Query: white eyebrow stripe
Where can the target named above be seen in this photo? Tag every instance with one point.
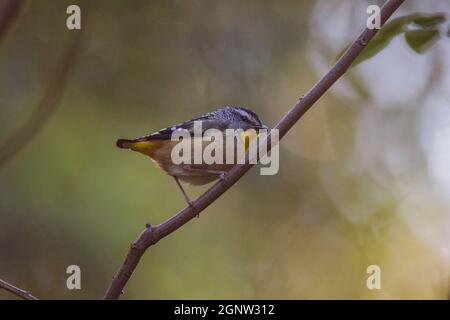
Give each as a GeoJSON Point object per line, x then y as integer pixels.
{"type": "Point", "coordinates": [244, 113]}
{"type": "Point", "coordinates": [249, 116]}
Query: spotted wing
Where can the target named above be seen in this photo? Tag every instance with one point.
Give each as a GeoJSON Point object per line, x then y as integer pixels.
{"type": "Point", "coordinates": [166, 133]}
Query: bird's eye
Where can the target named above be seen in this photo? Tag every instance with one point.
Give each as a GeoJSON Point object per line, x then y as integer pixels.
{"type": "Point", "coordinates": [244, 118]}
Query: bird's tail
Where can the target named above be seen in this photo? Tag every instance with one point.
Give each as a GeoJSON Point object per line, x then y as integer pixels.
{"type": "Point", "coordinates": [124, 143]}
{"type": "Point", "coordinates": [142, 145]}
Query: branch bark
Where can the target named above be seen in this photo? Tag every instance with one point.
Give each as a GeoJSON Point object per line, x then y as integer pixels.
{"type": "Point", "coordinates": [17, 291]}
{"type": "Point", "coordinates": [151, 235]}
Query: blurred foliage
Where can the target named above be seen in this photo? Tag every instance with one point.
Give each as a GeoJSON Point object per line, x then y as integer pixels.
{"type": "Point", "coordinates": [362, 177]}
{"type": "Point", "coordinates": [418, 39]}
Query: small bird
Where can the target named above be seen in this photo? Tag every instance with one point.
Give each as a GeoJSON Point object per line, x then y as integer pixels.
{"type": "Point", "coordinates": [158, 146]}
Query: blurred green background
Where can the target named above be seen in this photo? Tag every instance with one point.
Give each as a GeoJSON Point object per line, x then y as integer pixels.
{"type": "Point", "coordinates": [364, 177]}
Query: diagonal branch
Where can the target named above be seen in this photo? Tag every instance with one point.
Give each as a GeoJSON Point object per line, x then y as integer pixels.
{"type": "Point", "coordinates": [152, 235]}
{"type": "Point", "coordinates": [17, 291]}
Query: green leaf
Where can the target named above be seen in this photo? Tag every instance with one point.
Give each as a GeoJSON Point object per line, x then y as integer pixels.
{"type": "Point", "coordinates": [430, 21]}
{"type": "Point", "coordinates": [420, 40]}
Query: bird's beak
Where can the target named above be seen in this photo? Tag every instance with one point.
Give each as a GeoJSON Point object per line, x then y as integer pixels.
{"type": "Point", "coordinates": [261, 127]}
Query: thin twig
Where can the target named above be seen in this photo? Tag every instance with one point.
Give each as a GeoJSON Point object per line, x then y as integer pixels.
{"type": "Point", "coordinates": [43, 110]}
{"type": "Point", "coordinates": [17, 291]}
{"type": "Point", "coordinates": [152, 235]}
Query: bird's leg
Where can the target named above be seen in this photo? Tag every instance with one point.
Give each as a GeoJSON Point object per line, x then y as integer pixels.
{"type": "Point", "coordinates": [220, 173]}
{"type": "Point", "coordinates": [188, 200]}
